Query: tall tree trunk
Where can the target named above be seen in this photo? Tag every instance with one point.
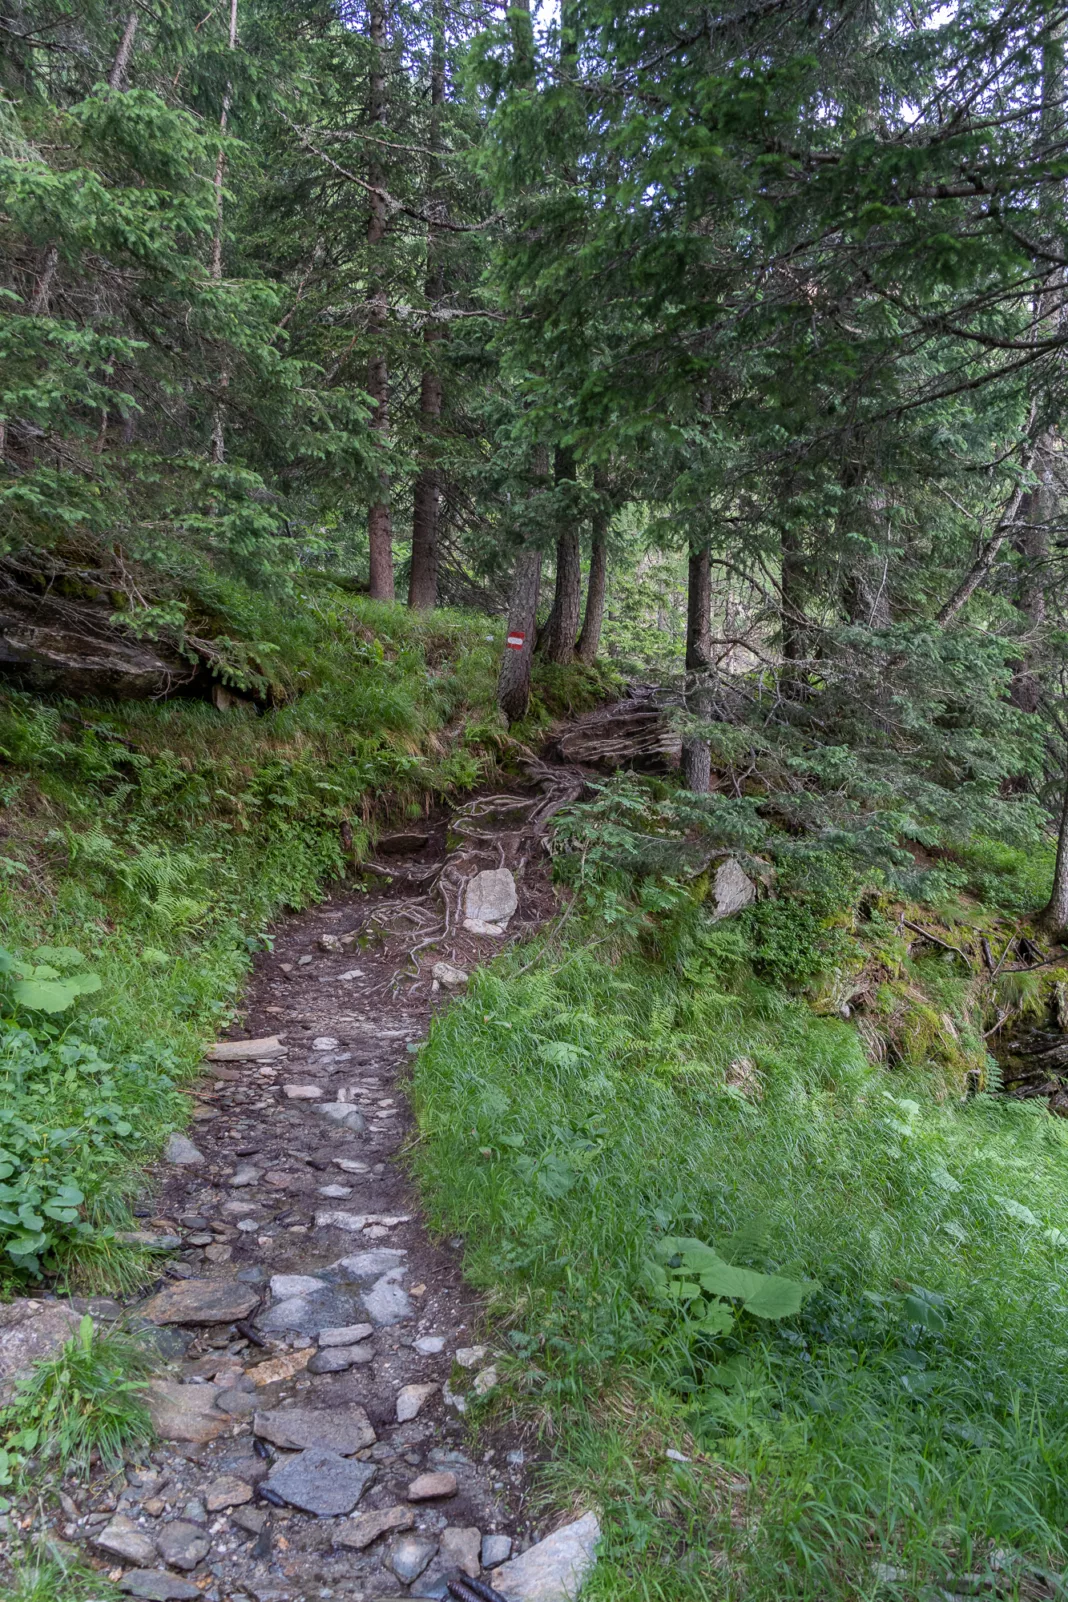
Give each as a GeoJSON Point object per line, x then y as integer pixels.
{"type": "Point", "coordinates": [590, 639]}
{"type": "Point", "coordinates": [867, 588]}
{"type": "Point", "coordinates": [218, 422]}
{"type": "Point", "coordinates": [513, 684]}
{"type": "Point", "coordinates": [43, 289]}
{"type": "Point", "coordinates": [1054, 916]}
{"type": "Point", "coordinates": [117, 75]}
{"type": "Point", "coordinates": [1032, 542]}
{"type": "Point", "coordinates": [426, 510]}
{"type": "Point", "coordinates": [1041, 504]}
{"type": "Point", "coordinates": [696, 765]}
{"type": "Point", "coordinates": [561, 630]}
{"type": "Point", "coordinates": [379, 517]}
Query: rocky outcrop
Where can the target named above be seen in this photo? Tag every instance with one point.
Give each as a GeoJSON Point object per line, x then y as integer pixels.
{"type": "Point", "coordinates": [70, 644]}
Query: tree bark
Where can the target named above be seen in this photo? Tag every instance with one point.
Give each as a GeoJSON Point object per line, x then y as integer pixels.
{"type": "Point", "coordinates": [986, 558]}
{"type": "Point", "coordinates": [561, 630]}
{"type": "Point", "coordinates": [1032, 543]}
{"type": "Point", "coordinates": [513, 684]}
{"type": "Point", "coordinates": [1054, 916]}
{"type": "Point", "coordinates": [867, 589]}
{"type": "Point", "coordinates": [590, 639]}
{"type": "Point", "coordinates": [218, 420]}
{"type": "Point", "coordinates": [379, 516]}
{"type": "Point", "coordinates": [43, 290]}
{"type": "Point", "coordinates": [426, 509]}
{"type": "Point", "coordinates": [696, 763]}
{"type": "Point", "coordinates": [117, 75]}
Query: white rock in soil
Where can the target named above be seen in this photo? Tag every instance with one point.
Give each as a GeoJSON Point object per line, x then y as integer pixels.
{"type": "Point", "coordinates": [245, 1175]}
{"type": "Point", "coordinates": [353, 1223]}
{"type": "Point", "coordinates": [302, 1092]}
{"type": "Point", "coordinates": [452, 978]}
{"type": "Point", "coordinates": [477, 926]}
{"type": "Point", "coordinates": [370, 1265]}
{"type": "Point", "coordinates": [387, 1302]}
{"type": "Point", "coordinates": [242, 1050]}
{"type": "Point", "coordinates": [429, 1345]}
{"type": "Point", "coordinates": [554, 1569]}
{"type": "Point", "coordinates": [484, 1381]}
{"type": "Point", "coordinates": [325, 1043]}
{"type": "Point", "coordinates": [345, 1334]}
{"type": "Point", "coordinates": [491, 896]}
{"type": "Point", "coordinates": [732, 889]}
{"type": "Point", "coordinates": [335, 1192]}
{"type": "Point", "coordinates": [453, 1398]}
{"type": "Point", "coordinates": [352, 1165]}
{"type": "Point", "coordinates": [285, 1285]}
{"type": "Point", "coordinates": [470, 1356]}
{"type": "Point", "coordinates": [181, 1151]}
{"type": "Point", "coordinates": [411, 1399]}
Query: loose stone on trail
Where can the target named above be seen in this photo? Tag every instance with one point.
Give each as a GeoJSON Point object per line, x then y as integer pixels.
{"type": "Point", "coordinates": [452, 978]}
{"type": "Point", "coordinates": [343, 1430]}
{"type": "Point", "coordinates": [429, 1487]}
{"type": "Point", "coordinates": [201, 1301]}
{"type": "Point", "coordinates": [180, 1150]}
{"type": "Point", "coordinates": [370, 1526]}
{"type": "Point", "coordinates": [154, 1585]}
{"type": "Point", "coordinates": [321, 1482]}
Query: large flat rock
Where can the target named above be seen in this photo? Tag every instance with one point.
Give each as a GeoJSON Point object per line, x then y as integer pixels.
{"type": "Point", "coordinates": [370, 1264]}
{"type": "Point", "coordinates": [30, 1330]}
{"type": "Point", "coordinates": [321, 1482]}
{"type": "Point", "coordinates": [554, 1569]}
{"type": "Point", "coordinates": [186, 1412]}
{"type": "Point", "coordinates": [201, 1301]}
{"type": "Point", "coordinates": [327, 1308]}
{"type": "Point", "coordinates": [343, 1430]}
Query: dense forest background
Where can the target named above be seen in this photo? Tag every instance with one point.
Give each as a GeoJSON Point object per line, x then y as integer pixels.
{"type": "Point", "coordinates": [764, 306]}
{"type": "Point", "coordinates": [381, 384]}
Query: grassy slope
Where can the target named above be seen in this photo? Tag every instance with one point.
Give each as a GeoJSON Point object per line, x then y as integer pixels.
{"type": "Point", "coordinates": [580, 1103]}
{"type": "Point", "coordinates": [163, 860]}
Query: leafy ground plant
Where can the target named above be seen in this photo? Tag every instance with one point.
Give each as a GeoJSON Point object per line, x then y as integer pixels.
{"type": "Point", "coordinates": [85, 1403]}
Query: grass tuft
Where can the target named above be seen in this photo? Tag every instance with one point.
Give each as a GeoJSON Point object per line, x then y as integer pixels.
{"type": "Point", "coordinates": [85, 1404]}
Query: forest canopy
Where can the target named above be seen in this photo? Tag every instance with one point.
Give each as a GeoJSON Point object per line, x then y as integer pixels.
{"type": "Point", "coordinates": [757, 311]}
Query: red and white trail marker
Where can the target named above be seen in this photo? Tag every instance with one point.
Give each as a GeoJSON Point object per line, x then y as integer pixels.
{"type": "Point", "coordinates": [515, 640]}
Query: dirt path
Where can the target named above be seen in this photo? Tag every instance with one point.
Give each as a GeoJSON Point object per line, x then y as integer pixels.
{"type": "Point", "coordinates": [322, 1346]}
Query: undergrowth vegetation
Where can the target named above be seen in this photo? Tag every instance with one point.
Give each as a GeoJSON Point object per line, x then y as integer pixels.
{"type": "Point", "coordinates": [651, 1083]}
{"type": "Point", "coordinates": [146, 849]}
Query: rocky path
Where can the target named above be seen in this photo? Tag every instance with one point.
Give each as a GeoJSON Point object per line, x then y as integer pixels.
{"type": "Point", "coordinates": [322, 1349]}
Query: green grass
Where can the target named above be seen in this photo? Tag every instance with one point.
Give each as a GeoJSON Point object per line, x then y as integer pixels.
{"type": "Point", "coordinates": [83, 1406]}
{"type": "Point", "coordinates": [45, 1576]}
{"type": "Point", "coordinates": [589, 1097]}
